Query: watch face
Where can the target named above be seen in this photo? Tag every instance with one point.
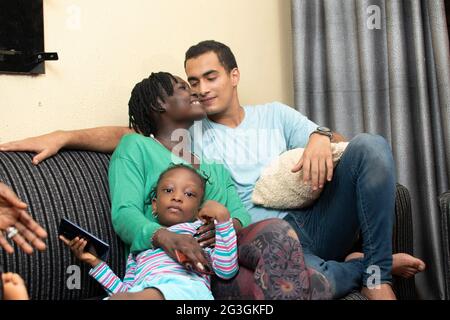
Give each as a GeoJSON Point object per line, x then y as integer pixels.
{"type": "Point", "coordinates": [324, 129]}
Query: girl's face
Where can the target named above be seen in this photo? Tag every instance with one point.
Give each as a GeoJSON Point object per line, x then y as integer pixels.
{"type": "Point", "coordinates": [182, 105]}
{"type": "Point", "coordinates": [179, 195]}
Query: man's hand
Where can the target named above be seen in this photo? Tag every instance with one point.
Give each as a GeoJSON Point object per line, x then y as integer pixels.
{"type": "Point", "coordinates": [13, 214]}
{"type": "Point", "coordinates": [45, 146]}
{"type": "Point", "coordinates": [316, 161]}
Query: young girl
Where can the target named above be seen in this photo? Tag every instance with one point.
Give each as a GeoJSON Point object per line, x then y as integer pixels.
{"type": "Point", "coordinates": [154, 275]}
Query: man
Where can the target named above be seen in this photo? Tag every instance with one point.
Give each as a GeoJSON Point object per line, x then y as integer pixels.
{"type": "Point", "coordinates": [358, 195]}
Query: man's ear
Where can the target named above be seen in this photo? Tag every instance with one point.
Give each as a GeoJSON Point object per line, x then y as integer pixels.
{"type": "Point", "coordinates": [235, 77]}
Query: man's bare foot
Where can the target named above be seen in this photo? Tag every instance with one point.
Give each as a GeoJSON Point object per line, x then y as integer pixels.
{"type": "Point", "coordinates": [405, 265]}
{"type": "Point", "coordinates": [14, 287]}
{"type": "Point", "coordinates": [383, 292]}
{"type": "Point", "coordinates": [354, 255]}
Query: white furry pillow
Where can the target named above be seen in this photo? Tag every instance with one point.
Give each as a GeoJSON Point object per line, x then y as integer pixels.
{"type": "Point", "coordinates": [279, 188]}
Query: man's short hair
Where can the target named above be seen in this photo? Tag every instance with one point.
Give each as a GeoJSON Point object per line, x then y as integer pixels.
{"type": "Point", "coordinates": [223, 52]}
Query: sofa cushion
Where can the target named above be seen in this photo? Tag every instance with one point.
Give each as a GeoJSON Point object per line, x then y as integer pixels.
{"type": "Point", "coordinates": [72, 184]}
{"type": "Point", "coordinates": [279, 188]}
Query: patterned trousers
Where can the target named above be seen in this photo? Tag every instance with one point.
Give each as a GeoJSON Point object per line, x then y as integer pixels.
{"type": "Point", "coordinates": [271, 267]}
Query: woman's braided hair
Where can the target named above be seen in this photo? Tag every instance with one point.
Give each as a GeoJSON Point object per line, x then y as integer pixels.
{"type": "Point", "coordinates": [146, 99]}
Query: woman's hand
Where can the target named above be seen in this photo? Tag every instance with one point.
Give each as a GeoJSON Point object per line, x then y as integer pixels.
{"type": "Point", "coordinates": [186, 244]}
{"type": "Point", "coordinates": [13, 213]}
{"type": "Point", "coordinates": [77, 246]}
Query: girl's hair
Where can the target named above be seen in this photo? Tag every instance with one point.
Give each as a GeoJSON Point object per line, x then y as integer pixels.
{"type": "Point", "coordinates": [203, 179]}
{"type": "Point", "coordinates": [145, 101]}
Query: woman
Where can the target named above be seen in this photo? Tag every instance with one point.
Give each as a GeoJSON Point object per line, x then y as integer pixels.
{"type": "Point", "coordinates": [270, 255]}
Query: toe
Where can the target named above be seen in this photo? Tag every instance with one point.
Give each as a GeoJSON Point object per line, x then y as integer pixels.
{"type": "Point", "coordinates": [421, 266]}
{"type": "Point", "coordinates": [7, 277]}
{"type": "Point", "coordinates": [16, 279]}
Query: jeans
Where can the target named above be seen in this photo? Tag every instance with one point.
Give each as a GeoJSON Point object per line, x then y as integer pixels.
{"type": "Point", "coordinates": [360, 199]}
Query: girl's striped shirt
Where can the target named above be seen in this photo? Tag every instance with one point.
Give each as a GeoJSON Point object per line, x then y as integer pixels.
{"type": "Point", "coordinates": [156, 263]}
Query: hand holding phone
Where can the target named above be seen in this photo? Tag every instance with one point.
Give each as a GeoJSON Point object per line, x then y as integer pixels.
{"type": "Point", "coordinates": [77, 246]}
{"type": "Point", "coordinates": [92, 244]}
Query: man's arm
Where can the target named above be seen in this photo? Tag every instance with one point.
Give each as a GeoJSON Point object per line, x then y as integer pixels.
{"type": "Point", "coordinates": [101, 139]}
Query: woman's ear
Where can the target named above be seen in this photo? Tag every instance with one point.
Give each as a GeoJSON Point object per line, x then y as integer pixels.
{"type": "Point", "coordinates": [163, 105]}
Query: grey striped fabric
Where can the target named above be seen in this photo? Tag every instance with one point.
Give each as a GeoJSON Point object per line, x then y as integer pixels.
{"type": "Point", "coordinates": [74, 185]}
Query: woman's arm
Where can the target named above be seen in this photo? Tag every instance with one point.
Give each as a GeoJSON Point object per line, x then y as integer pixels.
{"type": "Point", "coordinates": [234, 203]}
{"type": "Point", "coordinates": [127, 183]}
{"type": "Point", "coordinates": [231, 200]}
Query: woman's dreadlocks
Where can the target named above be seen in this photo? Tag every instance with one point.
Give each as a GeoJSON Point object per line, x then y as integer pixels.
{"type": "Point", "coordinates": [146, 99]}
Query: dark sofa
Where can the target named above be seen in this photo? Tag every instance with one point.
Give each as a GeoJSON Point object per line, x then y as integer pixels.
{"type": "Point", "coordinates": [444, 202]}
{"type": "Point", "coordinates": [74, 184]}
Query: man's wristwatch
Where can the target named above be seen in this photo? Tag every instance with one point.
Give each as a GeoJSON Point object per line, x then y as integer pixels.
{"type": "Point", "coordinates": [324, 131]}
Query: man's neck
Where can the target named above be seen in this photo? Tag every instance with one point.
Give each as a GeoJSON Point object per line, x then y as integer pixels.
{"type": "Point", "coordinates": [231, 118]}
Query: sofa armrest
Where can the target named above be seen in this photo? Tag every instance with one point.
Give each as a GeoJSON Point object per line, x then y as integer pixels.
{"type": "Point", "coordinates": [402, 240]}
{"type": "Point", "coordinates": [444, 203]}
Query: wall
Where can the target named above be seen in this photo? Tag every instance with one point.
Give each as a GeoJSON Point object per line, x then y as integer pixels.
{"type": "Point", "coordinates": [105, 47]}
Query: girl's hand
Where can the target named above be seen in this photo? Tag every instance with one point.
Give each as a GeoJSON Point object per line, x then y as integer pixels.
{"type": "Point", "coordinates": [206, 234]}
{"type": "Point", "coordinates": [77, 246]}
{"type": "Point", "coordinates": [213, 210]}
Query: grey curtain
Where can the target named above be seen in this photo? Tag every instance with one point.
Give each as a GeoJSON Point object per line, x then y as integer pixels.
{"type": "Point", "coordinates": [382, 66]}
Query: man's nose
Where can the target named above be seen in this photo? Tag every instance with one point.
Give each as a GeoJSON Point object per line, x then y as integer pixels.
{"type": "Point", "coordinates": [203, 88]}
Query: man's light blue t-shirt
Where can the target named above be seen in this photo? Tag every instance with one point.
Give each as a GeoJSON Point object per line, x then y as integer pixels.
{"type": "Point", "coordinates": [265, 132]}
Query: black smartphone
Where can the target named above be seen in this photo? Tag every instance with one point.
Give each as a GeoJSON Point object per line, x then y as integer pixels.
{"type": "Point", "coordinates": [97, 247]}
